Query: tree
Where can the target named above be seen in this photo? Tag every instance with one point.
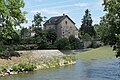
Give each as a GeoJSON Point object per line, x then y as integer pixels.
{"type": "Point", "coordinates": [63, 44]}
{"type": "Point", "coordinates": [51, 36]}
{"type": "Point", "coordinates": [11, 16]}
{"type": "Point", "coordinates": [24, 33]}
{"type": "Point", "coordinates": [40, 38]}
{"type": "Point", "coordinates": [86, 26]}
{"type": "Point", "coordinates": [75, 43]}
{"type": "Point", "coordinates": [86, 37]}
{"type": "Point", "coordinates": [102, 31]}
{"type": "Point", "coordinates": [112, 19]}
{"type": "Point", "coordinates": [38, 19]}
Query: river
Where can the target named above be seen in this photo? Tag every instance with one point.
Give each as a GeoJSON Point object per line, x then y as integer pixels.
{"type": "Point", "coordinates": [95, 70]}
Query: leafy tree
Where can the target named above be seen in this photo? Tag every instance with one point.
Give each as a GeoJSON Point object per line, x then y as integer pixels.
{"type": "Point", "coordinates": [24, 32]}
{"type": "Point", "coordinates": [40, 38]}
{"type": "Point", "coordinates": [63, 43]}
{"type": "Point", "coordinates": [51, 36]}
{"type": "Point", "coordinates": [38, 19]}
{"type": "Point", "coordinates": [75, 42]}
{"type": "Point", "coordinates": [86, 37]}
{"type": "Point", "coordinates": [101, 31]}
{"type": "Point", "coordinates": [11, 16]}
{"type": "Point", "coordinates": [86, 26]}
{"type": "Point", "coordinates": [42, 42]}
{"type": "Point", "coordinates": [112, 19]}
{"type": "Point", "coordinates": [40, 35]}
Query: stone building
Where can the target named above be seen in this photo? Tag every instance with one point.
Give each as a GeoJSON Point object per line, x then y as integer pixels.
{"type": "Point", "coordinates": [63, 25]}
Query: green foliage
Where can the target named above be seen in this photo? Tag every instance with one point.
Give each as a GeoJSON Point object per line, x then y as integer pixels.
{"type": "Point", "coordinates": [9, 36]}
{"type": "Point", "coordinates": [53, 63]}
{"type": "Point", "coordinates": [37, 20]}
{"type": "Point", "coordinates": [23, 67]}
{"type": "Point", "coordinates": [75, 43]}
{"type": "Point", "coordinates": [11, 16]}
{"type": "Point", "coordinates": [63, 44]}
{"type": "Point", "coordinates": [24, 33]}
{"type": "Point", "coordinates": [51, 36]}
{"type": "Point", "coordinates": [3, 70]}
{"type": "Point", "coordinates": [29, 67]}
{"type": "Point", "coordinates": [40, 37]}
{"type": "Point", "coordinates": [6, 52]}
{"type": "Point", "coordinates": [42, 42]}
{"type": "Point", "coordinates": [112, 21]}
{"type": "Point", "coordinates": [86, 26]}
{"type": "Point", "coordinates": [69, 58]}
{"type": "Point", "coordinates": [86, 37]}
{"type": "Point", "coordinates": [28, 40]}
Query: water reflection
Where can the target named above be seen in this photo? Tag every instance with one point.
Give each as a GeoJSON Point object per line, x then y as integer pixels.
{"type": "Point", "coordinates": [96, 70]}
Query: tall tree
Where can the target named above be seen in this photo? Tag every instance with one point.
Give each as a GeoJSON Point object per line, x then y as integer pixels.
{"type": "Point", "coordinates": [38, 19]}
{"type": "Point", "coordinates": [11, 16]}
{"type": "Point", "coordinates": [86, 26]}
{"type": "Point", "coordinates": [112, 19]}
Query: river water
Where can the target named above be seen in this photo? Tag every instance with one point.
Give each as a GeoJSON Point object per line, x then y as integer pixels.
{"type": "Point", "coordinates": [95, 70]}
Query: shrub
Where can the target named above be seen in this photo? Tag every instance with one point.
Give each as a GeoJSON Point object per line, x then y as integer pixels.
{"type": "Point", "coordinates": [17, 68]}
{"type": "Point", "coordinates": [69, 58]}
{"type": "Point", "coordinates": [75, 43]}
{"type": "Point", "coordinates": [29, 67]}
{"type": "Point", "coordinates": [23, 67]}
{"type": "Point", "coordinates": [63, 44]}
{"type": "Point", "coordinates": [42, 42]}
{"type": "Point", "coordinates": [7, 52]}
{"type": "Point", "coordinates": [86, 37]}
{"type": "Point", "coordinates": [3, 70]}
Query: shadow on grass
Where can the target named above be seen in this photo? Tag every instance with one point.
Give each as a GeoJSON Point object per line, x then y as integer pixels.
{"type": "Point", "coordinates": [9, 54]}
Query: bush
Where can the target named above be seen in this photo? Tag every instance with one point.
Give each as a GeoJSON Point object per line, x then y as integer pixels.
{"type": "Point", "coordinates": [23, 67]}
{"type": "Point", "coordinates": [3, 70]}
{"type": "Point", "coordinates": [29, 67]}
{"type": "Point", "coordinates": [75, 43]}
{"type": "Point", "coordinates": [69, 58]}
{"type": "Point", "coordinates": [6, 52]}
{"type": "Point", "coordinates": [63, 44]}
{"type": "Point", "coordinates": [86, 37]}
{"type": "Point", "coordinates": [42, 42]}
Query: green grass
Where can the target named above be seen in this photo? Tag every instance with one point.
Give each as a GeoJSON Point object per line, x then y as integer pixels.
{"type": "Point", "coordinates": [104, 52]}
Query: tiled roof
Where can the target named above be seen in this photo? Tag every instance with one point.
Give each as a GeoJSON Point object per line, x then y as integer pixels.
{"type": "Point", "coordinates": [56, 20]}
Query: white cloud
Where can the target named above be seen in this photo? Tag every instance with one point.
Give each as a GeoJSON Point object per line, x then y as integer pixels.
{"type": "Point", "coordinates": [81, 4]}
{"type": "Point", "coordinates": [96, 20]}
{"type": "Point", "coordinates": [49, 11]}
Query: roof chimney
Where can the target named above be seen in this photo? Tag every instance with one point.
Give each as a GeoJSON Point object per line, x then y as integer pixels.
{"type": "Point", "coordinates": [63, 14]}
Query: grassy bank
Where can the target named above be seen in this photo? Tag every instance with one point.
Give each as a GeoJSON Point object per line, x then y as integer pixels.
{"type": "Point", "coordinates": [104, 52]}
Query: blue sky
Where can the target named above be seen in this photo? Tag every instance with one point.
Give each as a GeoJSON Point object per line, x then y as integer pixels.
{"type": "Point", "coordinates": [73, 8]}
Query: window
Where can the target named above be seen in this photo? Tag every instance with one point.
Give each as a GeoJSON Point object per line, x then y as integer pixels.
{"type": "Point", "coordinates": [65, 22]}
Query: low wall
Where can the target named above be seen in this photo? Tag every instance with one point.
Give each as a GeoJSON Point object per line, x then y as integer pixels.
{"type": "Point", "coordinates": [44, 53]}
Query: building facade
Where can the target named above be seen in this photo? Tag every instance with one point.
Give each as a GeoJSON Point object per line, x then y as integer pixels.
{"type": "Point", "coordinates": [63, 25]}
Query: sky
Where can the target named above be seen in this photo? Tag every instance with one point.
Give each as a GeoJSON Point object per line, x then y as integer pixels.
{"type": "Point", "coordinates": [75, 9]}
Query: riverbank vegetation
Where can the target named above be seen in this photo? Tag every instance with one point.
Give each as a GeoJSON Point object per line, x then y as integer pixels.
{"type": "Point", "coordinates": [27, 62]}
